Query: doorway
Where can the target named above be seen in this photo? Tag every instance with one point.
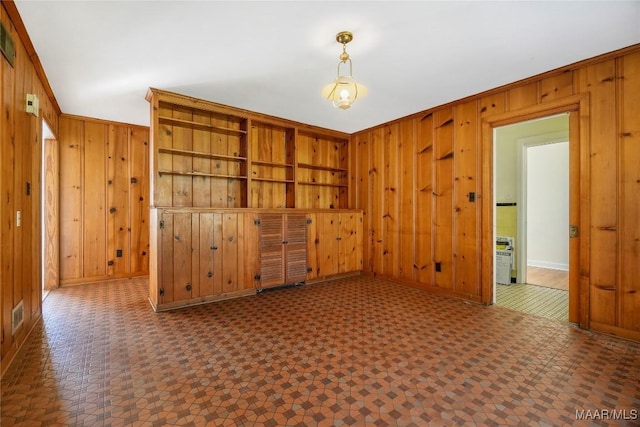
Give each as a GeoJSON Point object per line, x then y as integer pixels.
{"type": "Point", "coordinates": [50, 211]}
{"type": "Point", "coordinates": [532, 215]}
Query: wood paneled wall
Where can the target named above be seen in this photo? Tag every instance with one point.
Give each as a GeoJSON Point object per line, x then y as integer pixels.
{"type": "Point", "coordinates": [413, 178]}
{"type": "Point", "coordinates": [20, 165]}
{"type": "Point", "coordinates": [104, 209]}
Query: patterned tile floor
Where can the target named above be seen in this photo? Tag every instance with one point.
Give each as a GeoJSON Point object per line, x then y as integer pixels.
{"type": "Point", "coordinates": [350, 352]}
{"type": "Point", "coordinates": [533, 299]}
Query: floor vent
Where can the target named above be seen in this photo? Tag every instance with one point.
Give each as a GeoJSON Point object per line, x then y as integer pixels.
{"type": "Point", "coordinates": [17, 316]}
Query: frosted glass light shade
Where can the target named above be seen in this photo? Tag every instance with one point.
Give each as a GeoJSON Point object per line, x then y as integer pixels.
{"type": "Point", "coordinates": [343, 91]}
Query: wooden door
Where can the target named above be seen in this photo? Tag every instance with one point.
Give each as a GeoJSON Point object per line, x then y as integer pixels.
{"type": "Point", "coordinates": [51, 215]}
{"type": "Point", "coordinates": [272, 272]}
{"type": "Point", "coordinates": [312, 246]}
{"type": "Point", "coordinates": [349, 242]}
{"type": "Point", "coordinates": [295, 248]}
{"type": "Point", "coordinates": [328, 244]}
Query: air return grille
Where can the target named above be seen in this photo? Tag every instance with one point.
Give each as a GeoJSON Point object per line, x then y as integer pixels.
{"type": "Point", "coordinates": [17, 316]}
{"type": "Point", "coordinates": [6, 45]}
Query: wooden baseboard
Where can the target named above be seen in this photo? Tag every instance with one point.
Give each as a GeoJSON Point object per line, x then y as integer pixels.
{"type": "Point", "coordinates": [617, 331]}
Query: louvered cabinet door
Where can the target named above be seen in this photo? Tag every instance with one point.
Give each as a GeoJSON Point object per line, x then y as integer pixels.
{"type": "Point", "coordinates": [271, 232]}
{"type": "Point", "coordinates": [296, 248]}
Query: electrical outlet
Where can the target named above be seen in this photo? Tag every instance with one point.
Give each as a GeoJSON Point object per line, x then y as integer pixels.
{"type": "Point", "coordinates": [18, 218]}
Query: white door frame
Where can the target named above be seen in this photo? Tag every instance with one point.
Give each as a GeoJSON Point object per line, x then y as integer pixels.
{"type": "Point", "coordinates": [521, 196]}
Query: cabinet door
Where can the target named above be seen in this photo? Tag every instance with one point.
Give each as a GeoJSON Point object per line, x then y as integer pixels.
{"type": "Point", "coordinates": [231, 255]}
{"type": "Point", "coordinates": [296, 248]}
{"type": "Point", "coordinates": [328, 244]}
{"type": "Point", "coordinates": [350, 242]}
{"type": "Point", "coordinates": [182, 256]}
{"type": "Point", "coordinates": [174, 277]}
{"type": "Point", "coordinates": [312, 246]}
{"type": "Point", "coordinates": [272, 270]}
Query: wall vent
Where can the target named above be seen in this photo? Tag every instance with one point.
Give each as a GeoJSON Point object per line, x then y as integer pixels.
{"type": "Point", "coordinates": [17, 316]}
{"type": "Point", "coordinates": [6, 45]}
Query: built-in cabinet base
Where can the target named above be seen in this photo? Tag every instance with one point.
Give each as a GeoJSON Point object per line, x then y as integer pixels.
{"type": "Point", "coordinates": [205, 255]}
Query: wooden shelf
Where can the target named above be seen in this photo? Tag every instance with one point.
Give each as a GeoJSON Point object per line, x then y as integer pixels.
{"type": "Point", "coordinates": [322, 184]}
{"type": "Point", "coordinates": [212, 175]}
{"type": "Point", "coordinates": [272, 164]}
{"type": "Point", "coordinates": [201, 154]}
{"type": "Point", "coordinates": [321, 168]}
{"type": "Point", "coordinates": [189, 123]}
{"type": "Point", "coordinates": [280, 181]}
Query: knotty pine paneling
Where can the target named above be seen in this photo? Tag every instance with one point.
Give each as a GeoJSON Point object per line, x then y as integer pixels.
{"type": "Point", "coordinates": [443, 191]}
{"type": "Point", "coordinates": [391, 202]}
{"type": "Point", "coordinates": [465, 220]}
{"type": "Point", "coordinates": [104, 216]}
{"type": "Point", "coordinates": [406, 192]}
{"type": "Point", "coordinates": [449, 229]}
{"type": "Point", "coordinates": [20, 166]}
{"type": "Point", "coordinates": [424, 194]}
{"type": "Point", "coordinates": [599, 81]}
{"type": "Point", "coordinates": [629, 212]}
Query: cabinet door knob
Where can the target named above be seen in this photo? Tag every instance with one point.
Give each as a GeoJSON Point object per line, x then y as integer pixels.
{"type": "Point", "coordinates": [188, 287]}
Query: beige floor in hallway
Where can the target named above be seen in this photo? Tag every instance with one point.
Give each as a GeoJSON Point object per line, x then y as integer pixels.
{"type": "Point", "coordinates": [350, 352]}
{"type": "Point", "coordinates": [546, 294]}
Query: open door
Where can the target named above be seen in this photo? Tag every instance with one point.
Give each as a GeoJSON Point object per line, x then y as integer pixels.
{"type": "Point", "coordinates": [578, 124]}
{"type": "Point", "coordinates": [50, 211]}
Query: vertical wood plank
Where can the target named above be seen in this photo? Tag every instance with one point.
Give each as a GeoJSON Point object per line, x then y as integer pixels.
{"type": "Point", "coordinates": [364, 190]}
{"type": "Point", "coordinates": [443, 192]}
{"type": "Point", "coordinates": [250, 253]}
{"type": "Point", "coordinates": [467, 213]}
{"type": "Point", "coordinates": [599, 81]}
{"type": "Point", "coordinates": [377, 201]}
{"type": "Point", "coordinates": [166, 257]}
{"type": "Point", "coordinates": [407, 194]}
{"type": "Point", "coordinates": [312, 246]}
{"type": "Point", "coordinates": [139, 199]}
{"type": "Point", "coordinates": [629, 214]}
{"type": "Point", "coordinates": [328, 247]}
{"type": "Point", "coordinates": [230, 250]}
{"type": "Point", "coordinates": [423, 265]}
{"type": "Point", "coordinates": [95, 198]}
{"type": "Point", "coordinates": [196, 268]}
{"type": "Point", "coordinates": [71, 196]}
{"type": "Point", "coordinates": [118, 181]}
{"type": "Point", "coordinates": [218, 255]}
{"type": "Point", "coordinates": [206, 251]}
{"type": "Point", "coordinates": [182, 256]}
{"type": "Point", "coordinates": [390, 215]}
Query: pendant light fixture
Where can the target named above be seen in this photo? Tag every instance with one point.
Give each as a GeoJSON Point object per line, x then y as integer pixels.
{"type": "Point", "coordinates": [344, 90]}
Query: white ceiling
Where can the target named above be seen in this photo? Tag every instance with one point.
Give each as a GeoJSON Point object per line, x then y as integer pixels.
{"type": "Point", "coordinates": [274, 57]}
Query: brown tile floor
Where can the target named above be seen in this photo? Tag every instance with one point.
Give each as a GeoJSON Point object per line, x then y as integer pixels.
{"type": "Point", "coordinates": [357, 351]}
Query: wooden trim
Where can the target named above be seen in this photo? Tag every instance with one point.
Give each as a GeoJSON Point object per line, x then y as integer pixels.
{"type": "Point", "coordinates": [20, 28]}
{"type": "Point", "coordinates": [614, 330]}
{"type": "Point", "coordinates": [102, 121]}
{"type": "Point", "coordinates": [181, 304]}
